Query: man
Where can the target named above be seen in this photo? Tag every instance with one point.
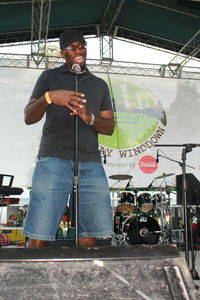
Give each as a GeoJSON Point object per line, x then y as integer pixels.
{"type": "Point", "coordinates": [54, 95]}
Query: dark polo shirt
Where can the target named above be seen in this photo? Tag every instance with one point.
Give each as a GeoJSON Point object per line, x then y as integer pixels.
{"type": "Point", "coordinates": [58, 130]}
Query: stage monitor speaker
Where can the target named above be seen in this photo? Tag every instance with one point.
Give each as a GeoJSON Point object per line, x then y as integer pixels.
{"type": "Point", "coordinates": [192, 189]}
{"type": "Point", "coordinates": [125, 272]}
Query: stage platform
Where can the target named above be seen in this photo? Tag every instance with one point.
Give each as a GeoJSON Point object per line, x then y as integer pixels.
{"type": "Point", "coordinates": [150, 272]}
{"type": "Point", "coordinates": [91, 253]}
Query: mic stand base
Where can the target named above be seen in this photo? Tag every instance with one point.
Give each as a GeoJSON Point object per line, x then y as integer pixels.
{"type": "Point", "coordinates": [194, 274]}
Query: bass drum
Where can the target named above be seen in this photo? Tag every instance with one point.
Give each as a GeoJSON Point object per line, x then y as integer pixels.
{"type": "Point", "coordinates": [142, 229]}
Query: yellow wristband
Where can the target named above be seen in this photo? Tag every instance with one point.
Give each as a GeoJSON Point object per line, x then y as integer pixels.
{"type": "Point", "coordinates": [47, 98]}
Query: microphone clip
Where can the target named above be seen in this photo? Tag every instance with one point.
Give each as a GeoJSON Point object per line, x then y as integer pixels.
{"type": "Point", "coordinates": [157, 157]}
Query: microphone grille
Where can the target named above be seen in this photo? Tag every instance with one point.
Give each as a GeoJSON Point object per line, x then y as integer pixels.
{"type": "Point", "coordinates": [76, 68]}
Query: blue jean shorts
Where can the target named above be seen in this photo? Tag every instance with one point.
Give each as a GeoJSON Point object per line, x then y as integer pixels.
{"type": "Point", "coordinates": [52, 185]}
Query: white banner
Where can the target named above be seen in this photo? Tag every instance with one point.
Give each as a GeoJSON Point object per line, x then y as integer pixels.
{"type": "Point", "coordinates": [156, 119]}
{"type": "Point", "coordinates": [149, 112]}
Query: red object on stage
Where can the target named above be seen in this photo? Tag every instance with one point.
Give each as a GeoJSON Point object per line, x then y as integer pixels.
{"type": "Point", "coordinates": [7, 201]}
{"type": "Point", "coordinates": [194, 227]}
{"type": "Point", "coordinates": [4, 239]}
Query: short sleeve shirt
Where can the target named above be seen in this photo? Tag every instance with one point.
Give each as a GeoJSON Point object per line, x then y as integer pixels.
{"type": "Point", "coordinates": [58, 131]}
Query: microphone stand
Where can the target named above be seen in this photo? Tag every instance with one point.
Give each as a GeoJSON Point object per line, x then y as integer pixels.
{"type": "Point", "coordinates": [76, 170]}
{"type": "Point", "coordinates": [194, 274]}
{"type": "Point", "coordinates": [193, 271]}
{"type": "Point", "coordinates": [184, 195]}
{"type": "Point", "coordinates": [187, 148]}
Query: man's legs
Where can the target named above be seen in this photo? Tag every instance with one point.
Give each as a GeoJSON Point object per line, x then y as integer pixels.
{"type": "Point", "coordinates": [95, 212]}
{"type": "Point", "coordinates": [83, 242]}
{"type": "Point", "coordinates": [51, 186]}
{"type": "Point", "coordinates": [87, 241]}
{"type": "Point", "coordinates": [95, 217]}
{"type": "Point", "coordinates": [32, 243]}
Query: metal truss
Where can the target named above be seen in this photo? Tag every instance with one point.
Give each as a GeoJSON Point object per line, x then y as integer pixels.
{"type": "Point", "coordinates": [106, 50]}
{"type": "Point", "coordinates": [110, 16]}
{"type": "Point", "coordinates": [96, 66]}
{"type": "Point", "coordinates": [120, 33]}
{"type": "Point", "coordinates": [192, 48]}
{"type": "Point", "coordinates": [39, 28]}
{"type": "Point", "coordinates": [40, 21]}
{"type": "Point", "coordinates": [133, 36]}
{"type": "Point", "coordinates": [179, 60]}
{"type": "Point", "coordinates": [106, 30]}
{"type": "Point", "coordinates": [184, 7]}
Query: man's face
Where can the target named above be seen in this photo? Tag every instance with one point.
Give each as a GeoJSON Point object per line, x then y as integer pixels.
{"type": "Point", "coordinates": [75, 54]}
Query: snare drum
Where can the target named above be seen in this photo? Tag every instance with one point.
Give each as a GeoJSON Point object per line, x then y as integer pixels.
{"type": "Point", "coordinates": [142, 229]}
{"type": "Point", "coordinates": [145, 202]}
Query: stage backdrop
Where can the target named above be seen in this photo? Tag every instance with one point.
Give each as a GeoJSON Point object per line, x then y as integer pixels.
{"type": "Point", "coordinates": [153, 116]}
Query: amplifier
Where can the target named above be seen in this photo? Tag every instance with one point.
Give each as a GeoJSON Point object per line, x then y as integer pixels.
{"type": "Point", "coordinates": [192, 189]}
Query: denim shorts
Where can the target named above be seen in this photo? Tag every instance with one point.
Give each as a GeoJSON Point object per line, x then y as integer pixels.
{"type": "Point", "coordinates": [52, 185]}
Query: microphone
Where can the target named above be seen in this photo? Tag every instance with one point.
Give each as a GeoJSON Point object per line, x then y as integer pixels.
{"type": "Point", "coordinates": [191, 145]}
{"type": "Point", "coordinates": [157, 157]}
{"type": "Point", "coordinates": [76, 68]}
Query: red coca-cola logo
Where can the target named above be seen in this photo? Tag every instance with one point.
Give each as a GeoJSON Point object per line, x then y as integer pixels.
{"type": "Point", "coordinates": [148, 164]}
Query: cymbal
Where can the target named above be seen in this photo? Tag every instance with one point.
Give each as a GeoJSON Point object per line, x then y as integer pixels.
{"type": "Point", "coordinates": [120, 177]}
{"type": "Point", "coordinates": [164, 175]}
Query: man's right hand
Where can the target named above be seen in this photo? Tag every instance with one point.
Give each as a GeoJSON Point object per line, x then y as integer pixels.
{"type": "Point", "coordinates": [71, 99]}
{"type": "Point", "coordinates": [36, 108]}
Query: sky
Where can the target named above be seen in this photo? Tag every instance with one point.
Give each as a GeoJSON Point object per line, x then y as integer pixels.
{"type": "Point", "coordinates": [122, 51]}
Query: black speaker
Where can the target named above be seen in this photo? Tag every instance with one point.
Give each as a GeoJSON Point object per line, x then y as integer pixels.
{"type": "Point", "coordinates": [124, 272]}
{"type": "Point", "coordinates": [192, 189]}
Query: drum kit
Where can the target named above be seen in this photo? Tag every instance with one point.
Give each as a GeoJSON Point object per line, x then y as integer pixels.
{"type": "Point", "coordinates": [141, 217]}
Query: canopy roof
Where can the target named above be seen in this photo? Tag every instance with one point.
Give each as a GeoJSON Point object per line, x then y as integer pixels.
{"type": "Point", "coordinates": [167, 24]}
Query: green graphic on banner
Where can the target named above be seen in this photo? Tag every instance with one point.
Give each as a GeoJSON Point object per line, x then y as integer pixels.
{"type": "Point", "coordinates": [137, 115]}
